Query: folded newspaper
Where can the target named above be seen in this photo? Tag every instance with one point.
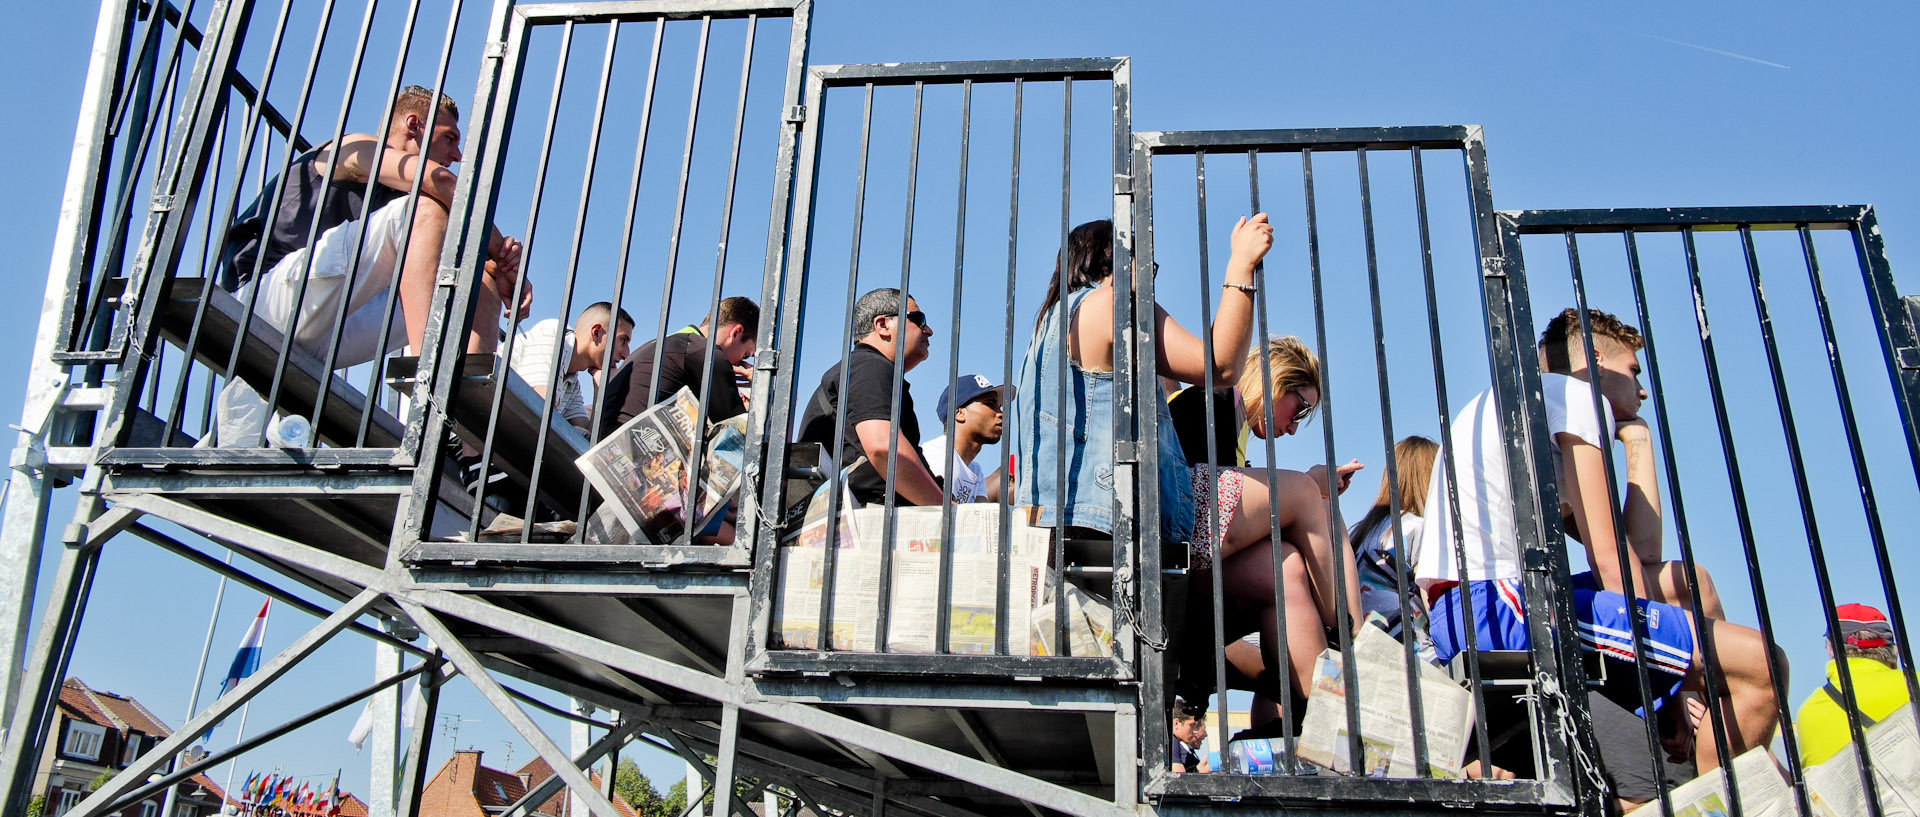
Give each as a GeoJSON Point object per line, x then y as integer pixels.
{"type": "Point", "coordinates": [915, 566]}
{"type": "Point", "coordinates": [1386, 730]}
{"type": "Point", "coordinates": [641, 470]}
{"type": "Point", "coordinates": [1894, 747]}
{"type": "Point", "coordinates": [1764, 791]}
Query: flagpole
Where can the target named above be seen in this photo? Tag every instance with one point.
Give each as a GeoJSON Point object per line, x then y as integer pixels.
{"type": "Point", "coordinates": [265, 614]}
{"type": "Point", "coordinates": [199, 675]}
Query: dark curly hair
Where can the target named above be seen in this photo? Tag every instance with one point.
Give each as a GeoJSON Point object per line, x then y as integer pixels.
{"type": "Point", "coordinates": [1560, 341]}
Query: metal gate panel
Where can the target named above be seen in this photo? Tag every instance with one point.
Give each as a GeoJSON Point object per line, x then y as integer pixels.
{"type": "Point", "coordinates": [941, 146]}
{"type": "Point", "coordinates": [639, 231]}
{"type": "Point", "coordinates": [1756, 310]}
{"type": "Point", "coordinates": [1384, 273]}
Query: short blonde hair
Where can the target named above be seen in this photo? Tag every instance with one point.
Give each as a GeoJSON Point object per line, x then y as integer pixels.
{"type": "Point", "coordinates": [1294, 367]}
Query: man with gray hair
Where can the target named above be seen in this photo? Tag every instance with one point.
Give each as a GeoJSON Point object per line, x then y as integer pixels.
{"type": "Point", "coordinates": [887, 336]}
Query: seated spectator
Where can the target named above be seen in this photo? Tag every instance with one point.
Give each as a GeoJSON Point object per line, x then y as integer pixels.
{"type": "Point", "coordinates": [683, 363]}
{"type": "Point", "coordinates": [1373, 541]}
{"type": "Point", "coordinates": [581, 350]}
{"type": "Point", "coordinates": [1493, 559]}
{"type": "Point", "coordinates": [303, 276]}
{"type": "Point", "coordinates": [975, 406]}
{"type": "Point", "coordinates": [1189, 737]}
{"type": "Point", "coordinates": [1233, 508]}
{"type": "Point", "coordinates": [1879, 685]}
{"type": "Point", "coordinates": [887, 334]}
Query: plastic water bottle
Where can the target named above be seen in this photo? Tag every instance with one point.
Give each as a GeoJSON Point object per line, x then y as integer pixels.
{"type": "Point", "coordinates": [290, 432]}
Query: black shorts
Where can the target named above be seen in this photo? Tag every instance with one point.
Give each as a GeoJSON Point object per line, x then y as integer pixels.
{"type": "Point", "coordinates": [1625, 759]}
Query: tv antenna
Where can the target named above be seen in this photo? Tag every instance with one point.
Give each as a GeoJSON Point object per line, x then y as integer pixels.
{"type": "Point", "coordinates": [450, 727]}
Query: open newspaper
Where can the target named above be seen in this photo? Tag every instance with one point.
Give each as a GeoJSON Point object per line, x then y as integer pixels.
{"type": "Point", "coordinates": [914, 589]}
{"type": "Point", "coordinates": [1894, 747]}
{"type": "Point", "coordinates": [642, 471]}
{"type": "Point", "coordinates": [1386, 729]}
{"type": "Point", "coordinates": [1764, 791]}
{"type": "Point", "coordinates": [1089, 625]}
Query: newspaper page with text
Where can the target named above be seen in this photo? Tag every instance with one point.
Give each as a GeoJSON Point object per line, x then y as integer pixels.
{"type": "Point", "coordinates": [1895, 749]}
{"type": "Point", "coordinates": [1386, 730]}
{"type": "Point", "coordinates": [1764, 791]}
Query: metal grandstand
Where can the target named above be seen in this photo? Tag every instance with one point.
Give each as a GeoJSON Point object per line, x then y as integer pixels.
{"type": "Point", "coordinates": [783, 166]}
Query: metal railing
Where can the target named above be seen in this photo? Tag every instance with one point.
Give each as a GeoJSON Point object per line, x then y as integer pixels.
{"type": "Point", "coordinates": [1688, 264]}
{"type": "Point", "coordinates": [989, 114]}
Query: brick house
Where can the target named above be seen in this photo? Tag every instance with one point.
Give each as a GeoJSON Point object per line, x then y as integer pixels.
{"type": "Point", "coordinates": [96, 732]}
{"type": "Point", "coordinates": [465, 788]}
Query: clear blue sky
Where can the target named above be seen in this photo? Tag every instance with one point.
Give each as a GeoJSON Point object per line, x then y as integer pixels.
{"type": "Point", "coordinates": [1627, 105]}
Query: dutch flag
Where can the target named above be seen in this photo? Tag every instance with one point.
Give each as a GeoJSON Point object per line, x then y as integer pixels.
{"type": "Point", "coordinates": [247, 658]}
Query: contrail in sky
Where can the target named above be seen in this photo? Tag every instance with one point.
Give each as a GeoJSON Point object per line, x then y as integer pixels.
{"type": "Point", "coordinates": [1707, 49]}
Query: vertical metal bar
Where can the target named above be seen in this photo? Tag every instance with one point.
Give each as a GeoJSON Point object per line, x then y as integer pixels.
{"type": "Point", "coordinates": [46, 665]}
{"type": "Point", "coordinates": [719, 275]}
{"type": "Point", "coordinates": [1126, 482]}
{"type": "Point", "coordinates": [554, 366]}
{"type": "Point", "coordinates": [673, 262]}
{"type": "Point", "coordinates": [945, 615]}
{"type": "Point", "coordinates": [1061, 641]}
{"type": "Point", "coordinates": [174, 420]}
{"type": "Point", "coordinates": [1282, 669]}
{"type": "Point", "coordinates": [836, 483]}
{"type": "Point", "coordinates": [1000, 634]}
{"type": "Point", "coordinates": [1869, 506]}
{"type": "Point", "coordinates": [626, 241]}
{"type": "Point", "coordinates": [1154, 701]}
{"type": "Point", "coordinates": [245, 155]}
{"type": "Point", "coordinates": [899, 382]}
{"type": "Point", "coordinates": [1714, 677]}
{"type": "Point", "coordinates": [1336, 527]}
{"type": "Point", "coordinates": [1415, 699]}
{"type": "Point", "coordinates": [1895, 321]}
{"type": "Point", "coordinates": [1742, 518]}
{"type": "Point", "coordinates": [1210, 538]}
{"type": "Point", "coordinates": [1628, 561]}
{"type": "Point", "coordinates": [1836, 641]}
{"type": "Point", "coordinates": [505, 362]}
{"type": "Point", "coordinates": [679, 221]}
{"type": "Point", "coordinates": [413, 772]}
{"type": "Point", "coordinates": [313, 236]}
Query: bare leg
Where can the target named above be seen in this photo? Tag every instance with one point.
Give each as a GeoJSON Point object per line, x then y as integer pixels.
{"type": "Point", "coordinates": [1247, 659]}
{"type": "Point", "coordinates": [1303, 525]}
{"type": "Point", "coordinates": [1249, 576]}
{"type": "Point", "coordinates": [1667, 582]}
{"type": "Point", "coordinates": [1749, 706]}
{"type": "Point", "coordinates": [418, 271]}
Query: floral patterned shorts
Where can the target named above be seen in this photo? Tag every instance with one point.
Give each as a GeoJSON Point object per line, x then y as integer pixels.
{"type": "Point", "coordinates": [1213, 509]}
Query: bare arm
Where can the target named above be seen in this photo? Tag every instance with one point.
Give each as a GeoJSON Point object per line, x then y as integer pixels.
{"type": "Point", "coordinates": [1181, 355]}
{"type": "Point", "coordinates": [1583, 487]}
{"type": "Point", "coordinates": [993, 485]}
{"type": "Point", "coordinates": [353, 161]}
{"type": "Point", "coordinates": [1641, 516]}
{"type": "Point", "coordinates": [912, 480]}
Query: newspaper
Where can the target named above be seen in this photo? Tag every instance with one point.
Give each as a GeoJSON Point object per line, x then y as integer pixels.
{"type": "Point", "coordinates": [641, 470]}
{"type": "Point", "coordinates": [914, 586]}
{"type": "Point", "coordinates": [1386, 730]}
{"type": "Point", "coordinates": [1089, 625]}
{"type": "Point", "coordinates": [1895, 749]}
{"type": "Point", "coordinates": [1764, 791]}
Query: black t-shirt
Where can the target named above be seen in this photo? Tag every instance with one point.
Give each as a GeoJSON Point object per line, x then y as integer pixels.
{"type": "Point", "coordinates": [680, 365]}
{"type": "Point", "coordinates": [1189, 411]}
{"type": "Point", "coordinates": [869, 397]}
{"type": "Point", "coordinates": [249, 242]}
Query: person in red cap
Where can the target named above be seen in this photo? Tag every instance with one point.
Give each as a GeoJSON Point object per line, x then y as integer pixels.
{"type": "Point", "coordinates": [1879, 687]}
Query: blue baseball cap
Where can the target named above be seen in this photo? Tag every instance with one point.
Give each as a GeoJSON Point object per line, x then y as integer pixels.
{"type": "Point", "coordinates": [966, 388]}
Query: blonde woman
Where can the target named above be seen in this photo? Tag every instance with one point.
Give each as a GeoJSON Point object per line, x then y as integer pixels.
{"type": "Point", "coordinates": [1234, 515]}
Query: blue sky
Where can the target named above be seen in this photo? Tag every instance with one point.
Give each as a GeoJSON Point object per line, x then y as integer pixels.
{"type": "Point", "coordinates": [1625, 105]}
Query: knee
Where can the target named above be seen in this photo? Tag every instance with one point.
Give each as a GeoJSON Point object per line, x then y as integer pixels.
{"type": "Point", "coordinates": [1299, 492]}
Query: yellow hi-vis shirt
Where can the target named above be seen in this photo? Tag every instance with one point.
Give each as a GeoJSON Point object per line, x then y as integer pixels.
{"type": "Point", "coordinates": [1821, 724]}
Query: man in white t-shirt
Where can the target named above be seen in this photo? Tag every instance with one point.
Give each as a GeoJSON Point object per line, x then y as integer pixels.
{"type": "Point", "coordinates": [975, 406]}
{"type": "Point", "coordinates": [1486, 534]}
{"type": "Point", "coordinates": [580, 349]}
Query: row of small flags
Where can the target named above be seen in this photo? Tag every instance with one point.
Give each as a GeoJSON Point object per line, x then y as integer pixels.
{"type": "Point", "coordinates": [268, 792]}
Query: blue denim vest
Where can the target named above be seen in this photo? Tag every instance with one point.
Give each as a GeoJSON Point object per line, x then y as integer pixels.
{"type": "Point", "coordinates": [1036, 419]}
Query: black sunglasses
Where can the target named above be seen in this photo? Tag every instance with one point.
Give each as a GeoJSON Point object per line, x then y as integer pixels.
{"type": "Point", "coordinates": [917, 317]}
{"type": "Point", "coordinates": [1306, 409]}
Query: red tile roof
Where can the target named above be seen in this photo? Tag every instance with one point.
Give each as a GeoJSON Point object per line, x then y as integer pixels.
{"type": "Point", "coordinates": [537, 771]}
